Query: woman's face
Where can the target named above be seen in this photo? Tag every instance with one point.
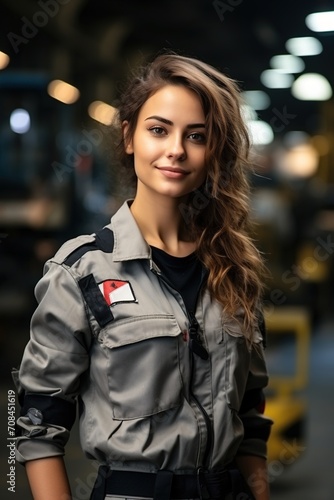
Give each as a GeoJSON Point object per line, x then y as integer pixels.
{"type": "Point", "coordinates": [169, 143]}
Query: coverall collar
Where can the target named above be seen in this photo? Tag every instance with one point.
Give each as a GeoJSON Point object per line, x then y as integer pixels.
{"type": "Point", "coordinates": [129, 243]}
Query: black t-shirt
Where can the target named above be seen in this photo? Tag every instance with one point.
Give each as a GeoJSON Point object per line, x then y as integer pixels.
{"type": "Point", "coordinates": [184, 273]}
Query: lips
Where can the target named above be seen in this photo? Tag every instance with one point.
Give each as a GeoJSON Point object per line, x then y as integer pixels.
{"type": "Point", "coordinates": [173, 170]}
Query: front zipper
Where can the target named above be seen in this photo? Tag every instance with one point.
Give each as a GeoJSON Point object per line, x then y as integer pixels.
{"type": "Point", "coordinates": [195, 342]}
{"type": "Point", "coordinates": [196, 347]}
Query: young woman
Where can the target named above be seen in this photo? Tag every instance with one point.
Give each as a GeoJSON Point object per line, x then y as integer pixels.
{"type": "Point", "coordinates": [154, 323]}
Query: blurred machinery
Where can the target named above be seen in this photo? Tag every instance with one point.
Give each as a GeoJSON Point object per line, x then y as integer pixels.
{"type": "Point", "coordinates": [288, 354]}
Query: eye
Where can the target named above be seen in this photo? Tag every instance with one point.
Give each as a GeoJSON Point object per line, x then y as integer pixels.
{"type": "Point", "coordinates": [156, 130]}
{"type": "Point", "coordinates": [197, 137]}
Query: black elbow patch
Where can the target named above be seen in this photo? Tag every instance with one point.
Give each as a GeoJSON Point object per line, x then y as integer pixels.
{"type": "Point", "coordinates": [55, 411]}
{"type": "Point", "coordinates": [253, 398]}
{"type": "Point", "coordinates": [255, 431]}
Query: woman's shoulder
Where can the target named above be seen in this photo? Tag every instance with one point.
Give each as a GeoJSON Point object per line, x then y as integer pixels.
{"type": "Point", "coordinates": [73, 249]}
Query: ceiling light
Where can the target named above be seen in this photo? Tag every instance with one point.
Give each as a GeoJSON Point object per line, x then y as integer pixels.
{"type": "Point", "coordinates": [4, 60]}
{"type": "Point", "coordinates": [63, 92]}
{"type": "Point", "coordinates": [299, 161]}
{"type": "Point", "coordinates": [260, 132]}
{"type": "Point", "coordinates": [312, 87]}
{"type": "Point", "coordinates": [19, 121]}
{"type": "Point", "coordinates": [274, 79]}
{"type": "Point", "coordinates": [287, 63]}
{"type": "Point", "coordinates": [295, 138]}
{"type": "Point", "coordinates": [257, 99]}
{"type": "Point", "coordinates": [320, 21]}
{"type": "Point", "coordinates": [304, 46]}
{"type": "Point", "coordinates": [248, 113]}
{"type": "Point", "coordinates": [101, 112]}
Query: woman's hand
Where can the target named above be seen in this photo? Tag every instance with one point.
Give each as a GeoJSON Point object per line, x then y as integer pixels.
{"type": "Point", "coordinates": [254, 470]}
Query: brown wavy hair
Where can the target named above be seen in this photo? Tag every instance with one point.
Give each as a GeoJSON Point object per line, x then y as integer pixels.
{"type": "Point", "coordinates": [217, 215]}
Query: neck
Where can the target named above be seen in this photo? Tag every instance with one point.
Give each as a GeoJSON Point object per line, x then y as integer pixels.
{"type": "Point", "coordinates": [161, 223]}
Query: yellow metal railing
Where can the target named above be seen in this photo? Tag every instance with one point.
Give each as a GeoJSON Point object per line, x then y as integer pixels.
{"type": "Point", "coordinates": [296, 321]}
{"type": "Point", "coordinates": [284, 406]}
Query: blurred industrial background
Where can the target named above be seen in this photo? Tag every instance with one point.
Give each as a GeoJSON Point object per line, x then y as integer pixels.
{"type": "Point", "coordinates": [62, 66]}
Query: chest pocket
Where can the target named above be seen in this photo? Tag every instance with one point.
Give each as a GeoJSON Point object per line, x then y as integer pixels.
{"type": "Point", "coordinates": [143, 365]}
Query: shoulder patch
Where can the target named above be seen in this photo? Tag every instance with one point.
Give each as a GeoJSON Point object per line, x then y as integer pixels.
{"type": "Point", "coordinates": [103, 240]}
{"type": "Point", "coordinates": [95, 300]}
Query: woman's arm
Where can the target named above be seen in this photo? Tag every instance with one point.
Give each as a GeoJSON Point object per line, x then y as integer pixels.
{"type": "Point", "coordinates": [48, 479]}
{"type": "Point", "coordinates": [254, 470]}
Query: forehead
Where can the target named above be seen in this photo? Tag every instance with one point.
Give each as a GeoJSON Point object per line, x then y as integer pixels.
{"type": "Point", "coordinates": [173, 101]}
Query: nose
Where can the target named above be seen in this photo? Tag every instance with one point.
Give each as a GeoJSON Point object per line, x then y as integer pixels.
{"type": "Point", "coordinates": [175, 148]}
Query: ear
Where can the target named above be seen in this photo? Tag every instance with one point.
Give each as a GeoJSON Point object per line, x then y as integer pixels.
{"type": "Point", "coordinates": [128, 143]}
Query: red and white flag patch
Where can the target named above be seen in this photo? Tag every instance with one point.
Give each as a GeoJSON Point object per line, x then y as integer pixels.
{"type": "Point", "coordinates": [116, 291]}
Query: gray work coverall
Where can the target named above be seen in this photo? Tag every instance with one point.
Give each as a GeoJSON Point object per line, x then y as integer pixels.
{"type": "Point", "coordinates": [110, 331]}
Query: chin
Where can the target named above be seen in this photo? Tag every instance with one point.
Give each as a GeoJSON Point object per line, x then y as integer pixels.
{"type": "Point", "coordinates": [177, 195]}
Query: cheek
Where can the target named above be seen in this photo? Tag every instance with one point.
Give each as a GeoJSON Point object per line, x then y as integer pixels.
{"type": "Point", "coordinates": [144, 149]}
{"type": "Point", "coordinates": [202, 177]}
{"type": "Point", "coordinates": [201, 162]}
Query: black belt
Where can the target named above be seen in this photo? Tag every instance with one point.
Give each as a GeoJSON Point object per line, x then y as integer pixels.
{"type": "Point", "coordinates": [163, 485]}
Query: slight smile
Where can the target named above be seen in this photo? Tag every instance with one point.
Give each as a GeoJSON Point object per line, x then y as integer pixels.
{"type": "Point", "coordinates": [173, 173]}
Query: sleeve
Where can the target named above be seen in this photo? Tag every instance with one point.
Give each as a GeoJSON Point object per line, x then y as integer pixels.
{"type": "Point", "coordinates": [53, 361]}
{"type": "Point", "coordinates": [257, 426]}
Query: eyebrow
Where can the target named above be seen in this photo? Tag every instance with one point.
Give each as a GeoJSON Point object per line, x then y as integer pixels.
{"type": "Point", "coordinates": [169, 122]}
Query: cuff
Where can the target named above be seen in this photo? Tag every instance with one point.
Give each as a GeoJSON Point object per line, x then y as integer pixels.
{"type": "Point", "coordinates": [39, 441]}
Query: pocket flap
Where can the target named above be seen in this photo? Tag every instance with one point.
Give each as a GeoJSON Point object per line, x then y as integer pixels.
{"type": "Point", "coordinates": [137, 329]}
